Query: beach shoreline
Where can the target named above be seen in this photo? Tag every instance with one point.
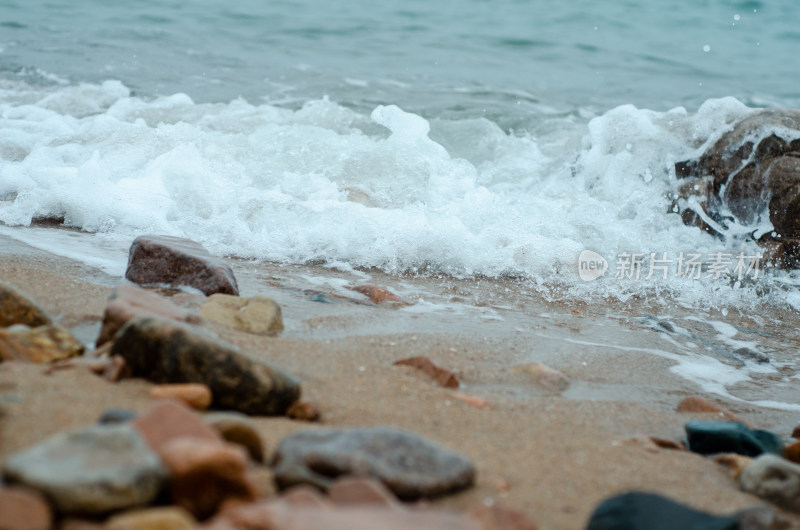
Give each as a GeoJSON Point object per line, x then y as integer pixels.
{"type": "Point", "coordinates": [553, 453]}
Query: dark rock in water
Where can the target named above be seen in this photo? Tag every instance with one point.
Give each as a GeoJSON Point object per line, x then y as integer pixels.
{"type": "Point", "coordinates": [647, 511]}
{"type": "Point", "coordinates": [407, 464]}
{"type": "Point", "coordinates": [128, 301]}
{"type": "Point", "coordinates": [16, 308]}
{"type": "Point", "coordinates": [165, 351]}
{"type": "Point", "coordinates": [114, 416]}
{"type": "Point", "coordinates": [178, 262]}
{"type": "Point", "coordinates": [752, 171]}
{"type": "Point", "coordinates": [711, 437]}
{"type": "Point", "coordinates": [92, 471]}
{"type": "Point", "coordinates": [774, 479]}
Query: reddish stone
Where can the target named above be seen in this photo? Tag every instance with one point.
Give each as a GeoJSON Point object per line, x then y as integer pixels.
{"type": "Point", "coordinates": [206, 473]}
{"type": "Point", "coordinates": [544, 376]}
{"type": "Point", "coordinates": [303, 411]}
{"type": "Point", "coordinates": [792, 452]}
{"type": "Point", "coordinates": [195, 395]}
{"type": "Point", "coordinates": [377, 294]}
{"type": "Point", "coordinates": [498, 517]}
{"type": "Point", "coordinates": [350, 491]}
{"type": "Point", "coordinates": [473, 401]}
{"type": "Point", "coordinates": [178, 262]}
{"type": "Point", "coordinates": [653, 444]}
{"type": "Point", "coordinates": [129, 301]}
{"type": "Point", "coordinates": [237, 429]}
{"type": "Point", "coordinates": [445, 378]}
{"type": "Point", "coordinates": [23, 509]}
{"type": "Point", "coordinates": [700, 404]}
{"type": "Point", "coordinates": [169, 420]}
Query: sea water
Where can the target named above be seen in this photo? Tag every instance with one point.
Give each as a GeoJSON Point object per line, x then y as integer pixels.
{"type": "Point", "coordinates": [496, 138]}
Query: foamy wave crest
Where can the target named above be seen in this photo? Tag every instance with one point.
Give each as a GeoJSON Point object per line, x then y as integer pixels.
{"type": "Point", "coordinates": [390, 190]}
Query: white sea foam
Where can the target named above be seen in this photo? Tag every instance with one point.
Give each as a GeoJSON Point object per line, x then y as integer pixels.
{"type": "Point", "coordinates": [390, 190]}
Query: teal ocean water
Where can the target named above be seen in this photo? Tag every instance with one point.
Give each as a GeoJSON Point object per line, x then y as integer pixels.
{"type": "Point", "coordinates": [472, 138]}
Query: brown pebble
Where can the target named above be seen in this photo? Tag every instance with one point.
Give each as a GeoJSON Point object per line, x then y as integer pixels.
{"type": "Point", "coordinates": [445, 378]}
{"type": "Point", "coordinates": [23, 509]}
{"type": "Point", "coordinates": [161, 518]}
{"type": "Point", "coordinates": [303, 411]}
{"type": "Point", "coordinates": [238, 429]}
{"type": "Point", "coordinates": [792, 452]}
{"type": "Point", "coordinates": [796, 432]}
{"type": "Point", "coordinates": [700, 404]}
{"type": "Point", "coordinates": [169, 420]}
{"type": "Point", "coordinates": [652, 443]}
{"type": "Point", "coordinates": [205, 473]}
{"type": "Point", "coordinates": [377, 294]}
{"type": "Point", "coordinates": [116, 370]}
{"type": "Point", "coordinates": [473, 401]}
{"type": "Point", "coordinates": [196, 395]}
{"type": "Point", "coordinates": [349, 491]}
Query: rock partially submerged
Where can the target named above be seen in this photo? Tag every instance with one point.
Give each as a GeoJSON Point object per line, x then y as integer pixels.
{"type": "Point", "coordinates": [91, 471]}
{"type": "Point", "coordinates": [751, 175]}
{"type": "Point", "coordinates": [407, 464]}
{"type": "Point", "coordinates": [258, 314]}
{"type": "Point", "coordinates": [177, 262]}
{"type": "Point", "coordinates": [165, 351]}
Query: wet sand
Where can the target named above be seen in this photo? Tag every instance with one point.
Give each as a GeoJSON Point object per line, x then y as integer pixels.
{"type": "Point", "coordinates": [553, 455]}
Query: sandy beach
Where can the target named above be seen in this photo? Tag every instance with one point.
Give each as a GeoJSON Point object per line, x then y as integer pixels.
{"type": "Point", "coordinates": [555, 454]}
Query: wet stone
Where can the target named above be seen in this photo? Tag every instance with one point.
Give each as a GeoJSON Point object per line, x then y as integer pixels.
{"type": "Point", "coordinates": [711, 437]}
{"type": "Point", "coordinates": [410, 466]}
{"type": "Point", "coordinates": [91, 471]}
{"type": "Point", "coordinates": [646, 511]}
{"type": "Point", "coordinates": [165, 351]}
{"type": "Point", "coordinates": [178, 262]}
{"type": "Point", "coordinates": [16, 308]}
{"type": "Point", "coordinates": [773, 479]}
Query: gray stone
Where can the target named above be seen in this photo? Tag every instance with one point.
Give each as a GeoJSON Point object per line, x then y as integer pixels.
{"type": "Point", "coordinates": [91, 471]}
{"type": "Point", "coordinates": [166, 351]}
{"type": "Point", "coordinates": [177, 262]}
{"type": "Point", "coordinates": [407, 464]}
{"type": "Point", "coordinates": [774, 479]}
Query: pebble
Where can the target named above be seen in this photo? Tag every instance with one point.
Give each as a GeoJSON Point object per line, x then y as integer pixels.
{"type": "Point", "coordinates": [702, 405]}
{"type": "Point", "coordinates": [711, 437]}
{"type": "Point", "coordinates": [792, 452]}
{"type": "Point", "coordinates": [258, 314]}
{"type": "Point", "coordinates": [303, 411]}
{"type": "Point", "coordinates": [377, 295]}
{"type": "Point", "coordinates": [472, 401]}
{"type": "Point", "coordinates": [162, 518]}
{"type": "Point", "coordinates": [205, 473]}
{"type": "Point", "coordinates": [410, 466]}
{"type": "Point", "coordinates": [128, 301]}
{"type": "Point", "coordinates": [169, 420]}
{"type": "Point", "coordinates": [43, 344]}
{"type": "Point", "coordinates": [23, 509]}
{"type": "Point", "coordinates": [544, 376]}
{"type": "Point", "coordinates": [443, 377]}
{"type": "Point", "coordinates": [178, 262]}
{"type": "Point", "coordinates": [796, 432]}
{"type": "Point", "coordinates": [16, 308]}
{"type": "Point", "coordinates": [165, 351]}
{"type": "Point", "coordinates": [195, 395]}
{"type": "Point", "coordinates": [774, 479]}
{"type": "Point", "coordinates": [91, 471]}
{"type": "Point", "coordinates": [237, 429]}
{"type": "Point", "coordinates": [647, 511]}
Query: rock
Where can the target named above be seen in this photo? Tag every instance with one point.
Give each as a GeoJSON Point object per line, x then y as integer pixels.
{"type": "Point", "coordinates": [762, 517]}
{"type": "Point", "coordinates": [751, 172]}
{"type": "Point", "coordinates": [734, 464]}
{"type": "Point", "coordinates": [377, 295]}
{"type": "Point", "coordinates": [43, 344]}
{"type": "Point", "coordinates": [237, 429]}
{"type": "Point", "coordinates": [195, 395]}
{"type": "Point", "coordinates": [410, 466]}
{"type": "Point", "coordinates": [647, 511]}
{"type": "Point", "coordinates": [129, 301]}
{"type": "Point", "coordinates": [165, 351]}
{"type": "Point", "coordinates": [445, 378]}
{"type": "Point", "coordinates": [792, 452]}
{"type": "Point", "coordinates": [170, 420]}
{"type": "Point", "coordinates": [116, 369]}
{"type": "Point", "coordinates": [303, 411]}
{"type": "Point", "coordinates": [499, 517]}
{"type": "Point", "coordinates": [204, 474]}
{"type": "Point", "coordinates": [177, 262]}
{"type": "Point", "coordinates": [652, 443]}
{"type": "Point", "coordinates": [773, 479]}
{"type": "Point", "coordinates": [16, 308]}
{"type": "Point", "coordinates": [349, 491]}
{"type": "Point", "coordinates": [23, 509]}
{"type": "Point", "coordinates": [796, 432]}
{"type": "Point", "coordinates": [114, 416]}
{"type": "Point", "coordinates": [472, 401]}
{"type": "Point", "coordinates": [710, 437]}
{"type": "Point", "coordinates": [163, 518]}
{"type": "Point", "coordinates": [91, 471]}
{"type": "Point", "coordinates": [702, 405]}
{"type": "Point", "coordinates": [258, 314]}
{"type": "Point", "coordinates": [544, 376]}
